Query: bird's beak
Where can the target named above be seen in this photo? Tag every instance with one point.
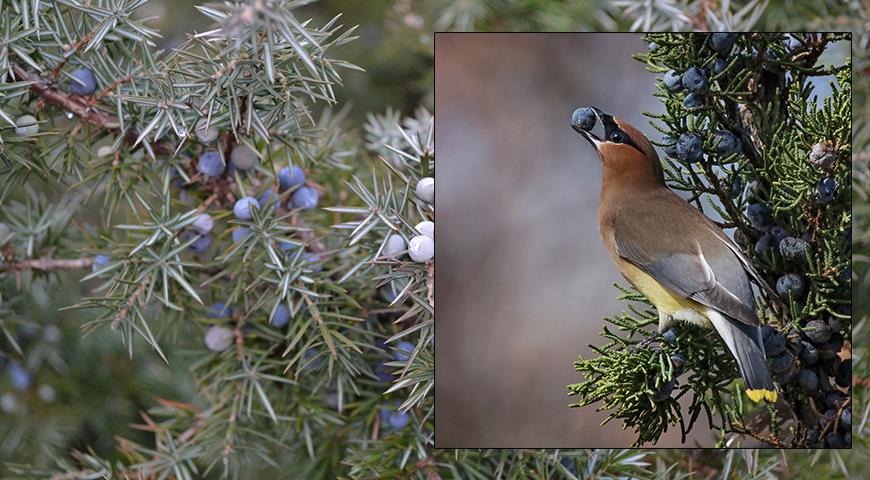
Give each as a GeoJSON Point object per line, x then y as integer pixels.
{"type": "Point", "coordinates": [593, 139]}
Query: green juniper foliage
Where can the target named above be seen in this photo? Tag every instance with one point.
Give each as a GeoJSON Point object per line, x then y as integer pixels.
{"type": "Point", "coordinates": [108, 185]}
{"type": "Point", "coordinates": [770, 163]}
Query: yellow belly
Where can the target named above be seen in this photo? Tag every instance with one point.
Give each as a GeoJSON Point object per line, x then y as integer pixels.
{"type": "Point", "coordinates": [671, 305]}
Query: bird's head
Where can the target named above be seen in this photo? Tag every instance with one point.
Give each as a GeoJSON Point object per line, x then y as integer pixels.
{"type": "Point", "coordinates": [622, 148]}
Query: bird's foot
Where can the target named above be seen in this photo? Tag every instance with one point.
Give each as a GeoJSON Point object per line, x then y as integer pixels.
{"type": "Point", "coordinates": [669, 335]}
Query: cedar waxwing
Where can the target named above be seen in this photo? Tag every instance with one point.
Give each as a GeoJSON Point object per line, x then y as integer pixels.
{"type": "Point", "coordinates": [673, 254]}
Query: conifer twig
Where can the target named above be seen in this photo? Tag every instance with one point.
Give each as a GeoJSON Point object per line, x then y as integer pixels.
{"type": "Point", "coordinates": [72, 103]}
{"type": "Point", "coordinates": [48, 264]}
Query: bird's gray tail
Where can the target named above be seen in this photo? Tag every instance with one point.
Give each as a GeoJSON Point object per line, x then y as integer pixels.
{"type": "Point", "coordinates": [745, 343]}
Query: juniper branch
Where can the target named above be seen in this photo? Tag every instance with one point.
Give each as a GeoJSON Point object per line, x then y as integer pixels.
{"type": "Point", "coordinates": [47, 264]}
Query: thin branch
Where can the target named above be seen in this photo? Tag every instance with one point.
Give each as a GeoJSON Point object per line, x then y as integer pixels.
{"type": "Point", "coordinates": [769, 439]}
{"type": "Point", "coordinates": [48, 264]}
{"type": "Point", "coordinates": [130, 302]}
{"type": "Point", "coordinates": [68, 101]}
{"type": "Point", "coordinates": [82, 108]}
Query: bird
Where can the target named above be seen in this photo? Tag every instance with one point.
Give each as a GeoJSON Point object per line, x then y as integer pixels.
{"type": "Point", "coordinates": [671, 252]}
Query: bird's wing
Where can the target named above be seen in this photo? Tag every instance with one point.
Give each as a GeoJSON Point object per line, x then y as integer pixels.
{"type": "Point", "coordinates": [744, 261]}
{"type": "Point", "coordinates": [669, 246]}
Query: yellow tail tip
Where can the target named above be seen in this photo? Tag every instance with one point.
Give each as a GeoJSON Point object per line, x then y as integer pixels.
{"type": "Point", "coordinates": [761, 393]}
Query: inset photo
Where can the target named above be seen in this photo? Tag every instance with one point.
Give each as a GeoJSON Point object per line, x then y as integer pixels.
{"type": "Point", "coordinates": [644, 240]}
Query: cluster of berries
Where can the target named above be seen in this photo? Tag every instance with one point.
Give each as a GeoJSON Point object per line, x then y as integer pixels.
{"type": "Point", "coordinates": [810, 356]}
{"type": "Point", "coordinates": [695, 81]}
{"type": "Point", "coordinates": [689, 147]}
{"type": "Point", "coordinates": [421, 247]}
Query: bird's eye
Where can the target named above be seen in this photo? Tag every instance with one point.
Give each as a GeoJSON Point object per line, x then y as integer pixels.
{"type": "Point", "coordinates": [618, 137]}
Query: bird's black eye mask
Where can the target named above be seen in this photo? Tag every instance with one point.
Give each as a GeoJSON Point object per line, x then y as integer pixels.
{"type": "Point", "coordinates": [614, 134]}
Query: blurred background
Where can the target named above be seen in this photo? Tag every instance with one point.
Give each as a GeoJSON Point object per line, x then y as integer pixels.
{"type": "Point", "coordinates": [524, 277]}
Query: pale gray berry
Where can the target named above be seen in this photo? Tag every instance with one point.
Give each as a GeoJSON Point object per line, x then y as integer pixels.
{"type": "Point", "coordinates": [421, 248]}
{"type": "Point", "coordinates": [426, 228]}
{"type": "Point", "coordinates": [394, 246]}
{"type": "Point", "coordinates": [426, 189]}
{"type": "Point", "coordinates": [218, 339]}
{"type": "Point", "coordinates": [26, 126]}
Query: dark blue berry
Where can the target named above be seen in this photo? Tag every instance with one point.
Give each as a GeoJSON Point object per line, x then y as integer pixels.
{"type": "Point", "coordinates": [664, 391]}
{"type": "Point", "coordinates": [569, 465]}
{"type": "Point", "coordinates": [19, 377]}
{"type": "Point", "coordinates": [694, 79]}
{"type": "Point", "coordinates": [782, 362]}
{"type": "Point", "coordinates": [793, 341]}
{"type": "Point", "coordinates": [835, 440]}
{"type": "Point", "coordinates": [689, 147]}
{"type": "Point", "coordinates": [817, 331]}
{"type": "Point", "coordinates": [393, 418]}
{"type": "Point", "coordinates": [670, 146]}
{"type": "Point", "coordinates": [82, 82]}
{"type": "Point", "coordinates": [384, 372]}
{"type": "Point", "coordinates": [201, 244]}
{"type": "Point", "coordinates": [313, 261]}
{"type": "Point", "coordinates": [834, 400]}
{"type": "Point", "coordinates": [242, 208]}
{"type": "Point", "coordinates": [399, 420]}
{"type": "Point", "coordinates": [652, 46]}
{"type": "Point", "coordinates": [764, 244]}
{"type": "Point", "coordinates": [304, 198]}
{"type": "Point", "coordinates": [774, 341]}
{"type": "Point", "coordinates": [790, 284]}
{"type": "Point", "coordinates": [679, 361]}
{"type": "Point", "coordinates": [673, 81]}
{"type": "Point", "coordinates": [693, 100]}
{"type": "Point", "coordinates": [736, 187]}
{"type": "Point", "coordinates": [846, 418]}
{"type": "Point", "coordinates": [670, 335]}
{"type": "Point", "coordinates": [219, 310]}
{"type": "Point", "coordinates": [826, 191]}
{"type": "Point", "coordinates": [583, 118]}
{"type": "Point", "coordinates": [812, 438]}
{"type": "Point", "coordinates": [240, 233]}
{"type": "Point", "coordinates": [809, 354]}
{"type": "Point", "coordinates": [808, 380]}
{"type": "Point", "coordinates": [722, 42]}
{"type": "Point", "coordinates": [778, 234]}
{"type": "Point", "coordinates": [280, 317]}
{"type": "Point", "coordinates": [760, 216]}
{"type": "Point", "coordinates": [210, 164]}
{"type": "Point", "coordinates": [265, 197]}
{"type": "Point", "coordinates": [844, 374]}
{"type": "Point", "coordinates": [726, 143]}
{"type": "Point", "coordinates": [289, 177]}
{"type": "Point", "coordinates": [100, 261]}
{"type": "Point", "coordinates": [403, 351]}
{"type": "Point", "coordinates": [793, 248]}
